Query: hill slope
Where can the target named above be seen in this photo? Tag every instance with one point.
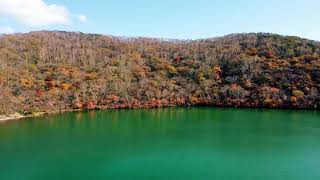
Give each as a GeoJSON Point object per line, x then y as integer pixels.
{"type": "Point", "coordinates": [50, 71]}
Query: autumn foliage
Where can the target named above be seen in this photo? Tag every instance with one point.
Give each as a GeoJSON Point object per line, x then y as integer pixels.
{"type": "Point", "coordinates": [55, 71]}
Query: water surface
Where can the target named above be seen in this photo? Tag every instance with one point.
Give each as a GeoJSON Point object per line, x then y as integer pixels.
{"type": "Point", "coordinates": [172, 143]}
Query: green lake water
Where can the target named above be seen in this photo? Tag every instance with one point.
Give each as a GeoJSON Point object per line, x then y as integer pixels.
{"type": "Point", "coordinates": [171, 143]}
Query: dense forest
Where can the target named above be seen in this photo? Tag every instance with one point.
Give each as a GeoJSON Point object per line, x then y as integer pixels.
{"type": "Point", "coordinates": [61, 71]}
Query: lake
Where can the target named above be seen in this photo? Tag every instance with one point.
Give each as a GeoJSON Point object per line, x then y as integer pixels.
{"type": "Point", "coordinates": [169, 143]}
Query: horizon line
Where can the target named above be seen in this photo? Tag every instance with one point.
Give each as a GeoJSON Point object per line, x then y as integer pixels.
{"type": "Point", "coordinates": [163, 38]}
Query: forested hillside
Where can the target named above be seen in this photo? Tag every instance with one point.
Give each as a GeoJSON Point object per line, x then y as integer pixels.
{"type": "Point", "coordinates": [54, 71]}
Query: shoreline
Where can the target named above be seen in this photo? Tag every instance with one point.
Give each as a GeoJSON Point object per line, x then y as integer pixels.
{"type": "Point", "coordinates": [10, 117]}
{"type": "Point", "coordinates": [18, 116]}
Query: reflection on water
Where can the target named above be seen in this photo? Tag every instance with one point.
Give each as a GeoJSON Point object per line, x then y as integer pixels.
{"type": "Point", "coordinates": [169, 143]}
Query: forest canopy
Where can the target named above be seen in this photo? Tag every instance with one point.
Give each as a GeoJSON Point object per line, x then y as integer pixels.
{"type": "Point", "coordinates": [55, 71]}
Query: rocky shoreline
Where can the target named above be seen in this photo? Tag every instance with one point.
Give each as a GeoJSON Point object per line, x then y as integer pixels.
{"type": "Point", "coordinates": [17, 116]}
{"type": "Point", "coordinates": [14, 116]}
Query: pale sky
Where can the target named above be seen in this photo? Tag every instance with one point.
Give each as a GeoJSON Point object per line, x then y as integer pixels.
{"type": "Point", "coordinates": [183, 19]}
